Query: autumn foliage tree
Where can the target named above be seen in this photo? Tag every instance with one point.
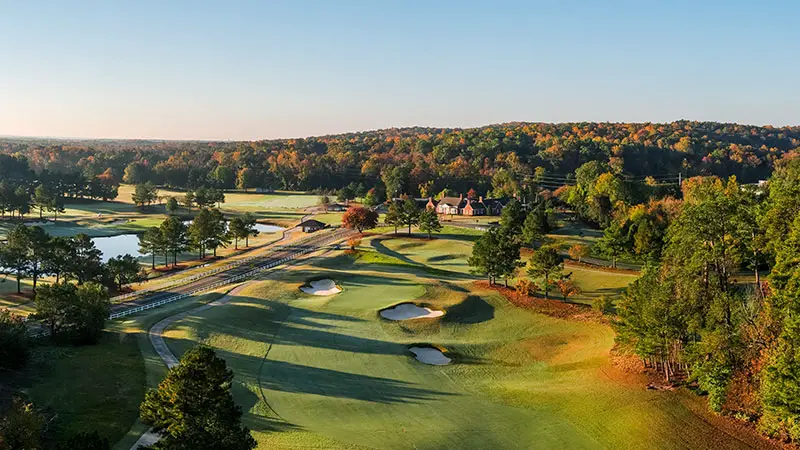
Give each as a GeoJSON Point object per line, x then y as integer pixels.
{"type": "Point", "coordinates": [360, 218]}
{"type": "Point", "coordinates": [354, 242]}
{"type": "Point", "coordinates": [568, 288]}
{"type": "Point", "coordinates": [578, 252]}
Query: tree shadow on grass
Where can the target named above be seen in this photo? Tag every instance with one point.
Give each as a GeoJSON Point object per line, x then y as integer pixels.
{"type": "Point", "coordinates": [280, 324]}
{"type": "Point", "coordinates": [293, 378]}
{"type": "Point", "coordinates": [378, 245]}
{"type": "Point", "coordinates": [282, 376]}
{"type": "Point", "coordinates": [449, 257]}
{"type": "Point", "coordinates": [409, 264]}
{"type": "Point", "coordinates": [472, 310]}
{"type": "Point", "coordinates": [458, 237]}
{"type": "Point", "coordinates": [258, 415]}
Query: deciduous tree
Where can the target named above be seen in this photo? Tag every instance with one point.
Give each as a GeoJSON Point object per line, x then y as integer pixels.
{"type": "Point", "coordinates": [578, 252]}
{"type": "Point", "coordinates": [360, 218]}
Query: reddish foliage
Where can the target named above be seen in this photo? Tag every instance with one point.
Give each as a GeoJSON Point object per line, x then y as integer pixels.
{"type": "Point", "coordinates": [554, 308]}
{"type": "Point", "coordinates": [359, 218]}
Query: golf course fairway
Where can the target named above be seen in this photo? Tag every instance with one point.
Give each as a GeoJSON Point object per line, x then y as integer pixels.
{"type": "Point", "coordinates": [328, 372]}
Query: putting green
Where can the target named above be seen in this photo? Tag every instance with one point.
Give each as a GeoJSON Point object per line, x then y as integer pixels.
{"type": "Point", "coordinates": [337, 376]}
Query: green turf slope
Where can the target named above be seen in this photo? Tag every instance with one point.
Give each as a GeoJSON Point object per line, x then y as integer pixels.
{"type": "Point", "coordinates": [335, 375]}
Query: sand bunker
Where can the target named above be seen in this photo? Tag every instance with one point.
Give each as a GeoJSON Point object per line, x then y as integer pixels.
{"type": "Point", "coordinates": [321, 287]}
{"type": "Point", "coordinates": [430, 355]}
{"type": "Point", "coordinates": [406, 311]}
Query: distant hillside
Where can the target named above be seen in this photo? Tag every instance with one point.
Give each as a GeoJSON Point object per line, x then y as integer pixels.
{"type": "Point", "coordinates": [427, 159]}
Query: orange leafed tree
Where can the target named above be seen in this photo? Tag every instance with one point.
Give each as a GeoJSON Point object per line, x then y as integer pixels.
{"type": "Point", "coordinates": [360, 218]}
{"type": "Point", "coordinates": [354, 242]}
{"type": "Point", "coordinates": [568, 288]}
{"type": "Point", "coordinates": [578, 252]}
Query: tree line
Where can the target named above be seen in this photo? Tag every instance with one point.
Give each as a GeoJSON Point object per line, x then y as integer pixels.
{"type": "Point", "coordinates": [497, 253]}
{"type": "Point", "coordinates": [716, 302]}
{"type": "Point", "coordinates": [208, 231]}
{"type": "Point", "coordinates": [31, 253]}
{"type": "Point", "coordinates": [22, 190]}
{"type": "Point", "coordinates": [424, 161]}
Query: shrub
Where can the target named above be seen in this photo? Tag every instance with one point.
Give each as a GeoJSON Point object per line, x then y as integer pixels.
{"type": "Point", "coordinates": [354, 242]}
{"type": "Point", "coordinates": [578, 252]}
{"type": "Point", "coordinates": [13, 341]}
{"type": "Point", "coordinates": [525, 286]}
{"type": "Point", "coordinates": [603, 305]}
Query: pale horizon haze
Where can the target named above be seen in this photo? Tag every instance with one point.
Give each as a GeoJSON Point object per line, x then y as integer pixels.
{"type": "Point", "coordinates": [244, 70]}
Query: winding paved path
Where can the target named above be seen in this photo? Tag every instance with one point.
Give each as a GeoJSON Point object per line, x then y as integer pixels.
{"type": "Point", "coordinates": [156, 336]}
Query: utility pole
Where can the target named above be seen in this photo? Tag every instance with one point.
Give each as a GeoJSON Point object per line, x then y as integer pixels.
{"type": "Point", "coordinates": [680, 180]}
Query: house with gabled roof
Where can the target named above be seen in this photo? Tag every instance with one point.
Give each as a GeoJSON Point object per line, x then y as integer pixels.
{"type": "Point", "coordinates": [450, 205]}
{"type": "Point", "coordinates": [462, 206]}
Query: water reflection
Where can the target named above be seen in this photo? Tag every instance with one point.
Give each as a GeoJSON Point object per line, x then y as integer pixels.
{"type": "Point", "coordinates": [113, 246]}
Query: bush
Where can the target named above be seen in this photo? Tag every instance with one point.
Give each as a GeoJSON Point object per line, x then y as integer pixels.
{"type": "Point", "coordinates": [13, 341]}
{"type": "Point", "coordinates": [526, 287]}
{"type": "Point", "coordinates": [354, 242]}
{"type": "Point", "coordinates": [603, 305]}
{"type": "Point", "coordinates": [21, 427]}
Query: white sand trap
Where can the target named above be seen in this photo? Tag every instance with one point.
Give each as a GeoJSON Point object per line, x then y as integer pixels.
{"type": "Point", "coordinates": [406, 311]}
{"type": "Point", "coordinates": [429, 355]}
{"type": "Point", "coordinates": [321, 287]}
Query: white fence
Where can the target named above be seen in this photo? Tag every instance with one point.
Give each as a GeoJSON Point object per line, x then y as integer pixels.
{"type": "Point", "coordinates": [209, 287]}
{"type": "Point", "coordinates": [198, 276]}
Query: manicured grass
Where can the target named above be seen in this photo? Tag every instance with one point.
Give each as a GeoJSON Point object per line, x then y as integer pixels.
{"type": "Point", "coordinates": [439, 253]}
{"type": "Point", "coordinates": [595, 283]}
{"type": "Point", "coordinates": [331, 218]}
{"type": "Point", "coordinates": [99, 387]}
{"type": "Point", "coordinates": [22, 305]}
{"type": "Point", "coordinates": [327, 372]}
{"type": "Point", "coordinates": [240, 201]}
{"type": "Point", "coordinates": [89, 388]}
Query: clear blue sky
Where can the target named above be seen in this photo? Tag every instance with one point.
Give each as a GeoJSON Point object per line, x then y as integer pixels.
{"type": "Point", "coordinates": [260, 69]}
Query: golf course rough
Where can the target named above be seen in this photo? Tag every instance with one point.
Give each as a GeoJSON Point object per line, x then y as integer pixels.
{"type": "Point", "coordinates": [321, 287]}
{"type": "Point", "coordinates": [408, 311]}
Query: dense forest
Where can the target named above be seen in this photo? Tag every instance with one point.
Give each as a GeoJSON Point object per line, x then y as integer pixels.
{"type": "Point", "coordinates": [423, 161]}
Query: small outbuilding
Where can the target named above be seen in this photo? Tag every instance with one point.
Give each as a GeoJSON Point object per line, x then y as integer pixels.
{"type": "Point", "coordinates": [311, 225]}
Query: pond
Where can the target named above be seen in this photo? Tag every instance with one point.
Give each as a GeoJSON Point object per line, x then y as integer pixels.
{"type": "Point", "coordinates": [266, 228]}
{"type": "Point", "coordinates": [260, 227]}
{"type": "Point", "coordinates": [113, 246]}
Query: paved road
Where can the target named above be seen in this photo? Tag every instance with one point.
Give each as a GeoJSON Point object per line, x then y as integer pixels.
{"type": "Point", "coordinates": [267, 256]}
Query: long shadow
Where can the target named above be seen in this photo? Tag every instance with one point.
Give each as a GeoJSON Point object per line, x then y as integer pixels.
{"type": "Point", "coordinates": [259, 418]}
{"type": "Point", "coordinates": [449, 257]}
{"type": "Point", "coordinates": [378, 245]}
{"type": "Point", "coordinates": [408, 245]}
{"type": "Point", "coordinates": [294, 378]}
{"type": "Point", "coordinates": [341, 261]}
{"type": "Point", "coordinates": [410, 264]}
{"type": "Point", "coordinates": [298, 327]}
{"type": "Point", "coordinates": [289, 377]}
{"type": "Point", "coordinates": [458, 237]}
{"type": "Point", "coordinates": [472, 310]}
